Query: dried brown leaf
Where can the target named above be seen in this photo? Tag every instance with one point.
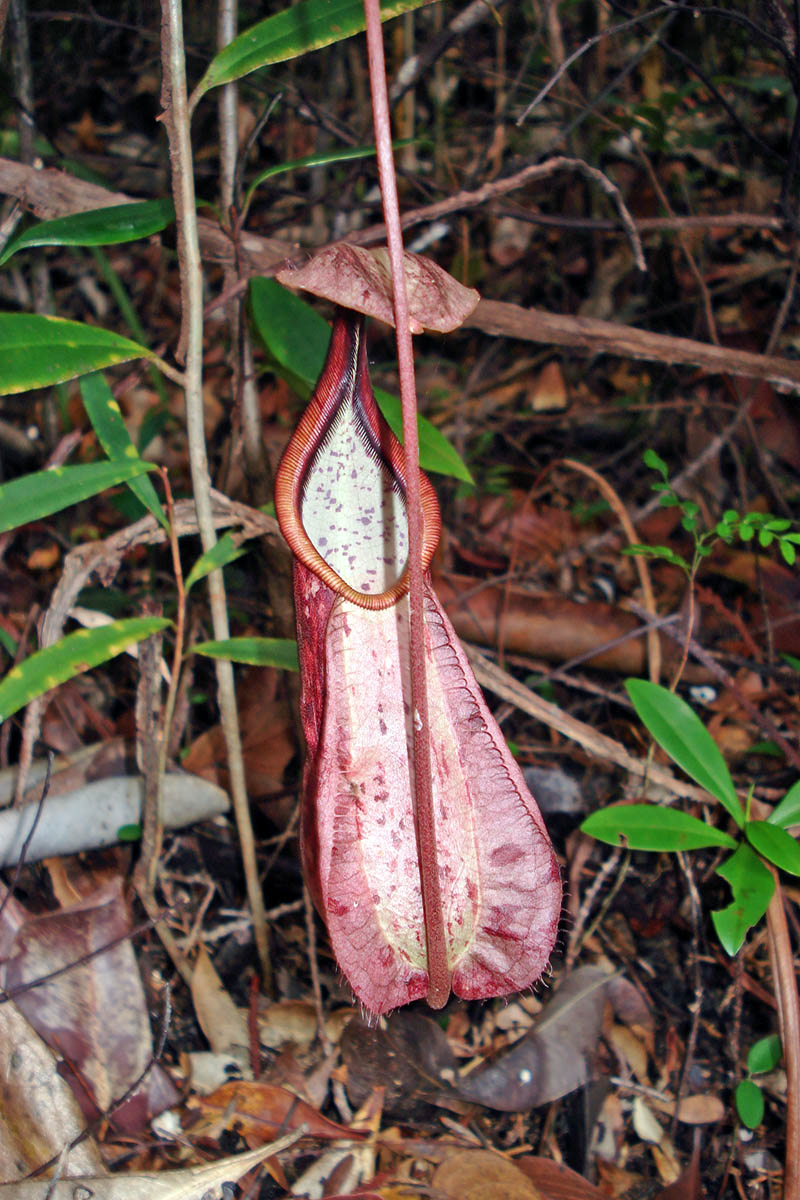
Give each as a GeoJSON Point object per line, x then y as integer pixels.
{"type": "Point", "coordinates": [259, 1110]}
{"type": "Point", "coordinates": [362, 280]}
{"type": "Point", "coordinates": [94, 1014]}
{"type": "Point", "coordinates": [557, 1182]}
{"type": "Point", "coordinates": [189, 1184]}
{"type": "Point", "coordinates": [410, 1059]}
{"type": "Point", "coordinates": [224, 1025]}
{"type": "Point", "coordinates": [481, 1175]}
{"type": "Point", "coordinates": [552, 1058]}
{"type": "Point", "coordinates": [40, 1115]}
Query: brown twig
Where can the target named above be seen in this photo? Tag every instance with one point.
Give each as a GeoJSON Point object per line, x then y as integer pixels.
{"type": "Point", "coordinates": [490, 676]}
{"type": "Point", "coordinates": [591, 336]}
{"type": "Point", "coordinates": [782, 959]}
{"type": "Point", "coordinates": [642, 569]}
{"type": "Point", "coordinates": [176, 121]}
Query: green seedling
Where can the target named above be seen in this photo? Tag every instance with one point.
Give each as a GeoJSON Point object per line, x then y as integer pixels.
{"type": "Point", "coordinates": [768, 530]}
{"type": "Point", "coordinates": [764, 1056]}
{"type": "Point", "coordinates": [681, 733]}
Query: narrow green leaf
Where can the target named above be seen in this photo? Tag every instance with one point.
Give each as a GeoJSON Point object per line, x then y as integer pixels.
{"type": "Point", "coordinates": [661, 552]}
{"type": "Point", "coordinates": [308, 25]}
{"type": "Point", "coordinates": [103, 411]}
{"type": "Point", "coordinates": [38, 495]}
{"type": "Point", "coordinates": [37, 351]}
{"type": "Point", "coordinates": [679, 731]}
{"type": "Point", "coordinates": [764, 1055]}
{"type": "Point", "coordinates": [328, 158]}
{"type": "Point", "coordinates": [100, 227]}
{"type": "Point", "coordinates": [72, 655]}
{"type": "Point", "coordinates": [788, 811]}
{"type": "Point", "coordinates": [749, 1103]}
{"type": "Point", "coordinates": [752, 887]}
{"type": "Point", "coordinates": [8, 643]}
{"type": "Point", "coordinates": [774, 844]}
{"type": "Point", "coordinates": [257, 651]}
{"type": "Point", "coordinates": [651, 827]}
{"type": "Point", "coordinates": [793, 662]}
{"type": "Point", "coordinates": [297, 337]}
{"type": "Point", "coordinates": [221, 553]}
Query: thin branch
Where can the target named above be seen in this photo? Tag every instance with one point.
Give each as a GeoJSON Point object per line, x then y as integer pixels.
{"type": "Point", "coordinates": [176, 120]}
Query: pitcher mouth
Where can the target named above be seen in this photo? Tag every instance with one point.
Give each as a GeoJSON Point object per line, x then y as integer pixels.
{"type": "Point", "coordinates": [342, 434]}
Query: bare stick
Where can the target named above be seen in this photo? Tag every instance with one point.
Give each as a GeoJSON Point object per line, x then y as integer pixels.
{"type": "Point", "coordinates": [176, 121]}
{"type": "Point", "coordinates": [782, 960]}
{"type": "Point", "coordinates": [438, 971]}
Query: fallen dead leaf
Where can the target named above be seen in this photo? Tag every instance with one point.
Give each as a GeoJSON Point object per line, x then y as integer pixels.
{"type": "Point", "coordinates": [481, 1175]}
{"type": "Point", "coordinates": [549, 392]}
{"type": "Point", "coordinates": [44, 557]}
{"type": "Point", "coordinates": [552, 1058]}
{"type": "Point", "coordinates": [40, 1115]}
{"type": "Point", "coordinates": [224, 1025]}
{"type": "Point", "coordinates": [630, 1050]}
{"type": "Point", "coordinates": [257, 1111]}
{"type": "Point", "coordinates": [557, 1182]}
{"type": "Point", "coordinates": [94, 1015]}
{"type": "Point", "coordinates": [410, 1058]}
{"type": "Point", "coordinates": [268, 743]}
{"type": "Point", "coordinates": [700, 1109]}
{"type": "Point", "coordinates": [189, 1184]}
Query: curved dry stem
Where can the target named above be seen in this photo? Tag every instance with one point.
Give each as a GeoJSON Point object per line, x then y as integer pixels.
{"type": "Point", "coordinates": [642, 569]}
{"type": "Point", "coordinates": [176, 122]}
{"type": "Point", "coordinates": [782, 959]}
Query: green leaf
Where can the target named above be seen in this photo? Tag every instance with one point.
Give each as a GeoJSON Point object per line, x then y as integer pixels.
{"type": "Point", "coordinates": [752, 886]}
{"type": "Point", "coordinates": [129, 833]}
{"type": "Point", "coordinates": [38, 495]}
{"type": "Point", "coordinates": [221, 553]}
{"type": "Point", "coordinates": [655, 462]}
{"type": "Point", "coordinates": [774, 844]}
{"type": "Point", "coordinates": [103, 411]}
{"type": "Point", "coordinates": [8, 643]}
{"type": "Point", "coordinates": [37, 351]}
{"type": "Point", "coordinates": [297, 337]}
{"type": "Point", "coordinates": [793, 662]}
{"type": "Point", "coordinates": [257, 651]}
{"type": "Point", "coordinates": [789, 553]}
{"type": "Point", "coordinates": [100, 227]}
{"type": "Point", "coordinates": [308, 25]}
{"type": "Point", "coordinates": [72, 655]}
{"type": "Point", "coordinates": [764, 1055]}
{"type": "Point", "coordinates": [343, 154]}
{"type": "Point", "coordinates": [679, 731]}
{"type": "Point", "coordinates": [767, 748]}
{"type": "Point", "coordinates": [651, 827]}
{"type": "Point", "coordinates": [788, 811]}
{"type": "Point", "coordinates": [660, 552]}
{"type": "Point", "coordinates": [749, 1103]}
